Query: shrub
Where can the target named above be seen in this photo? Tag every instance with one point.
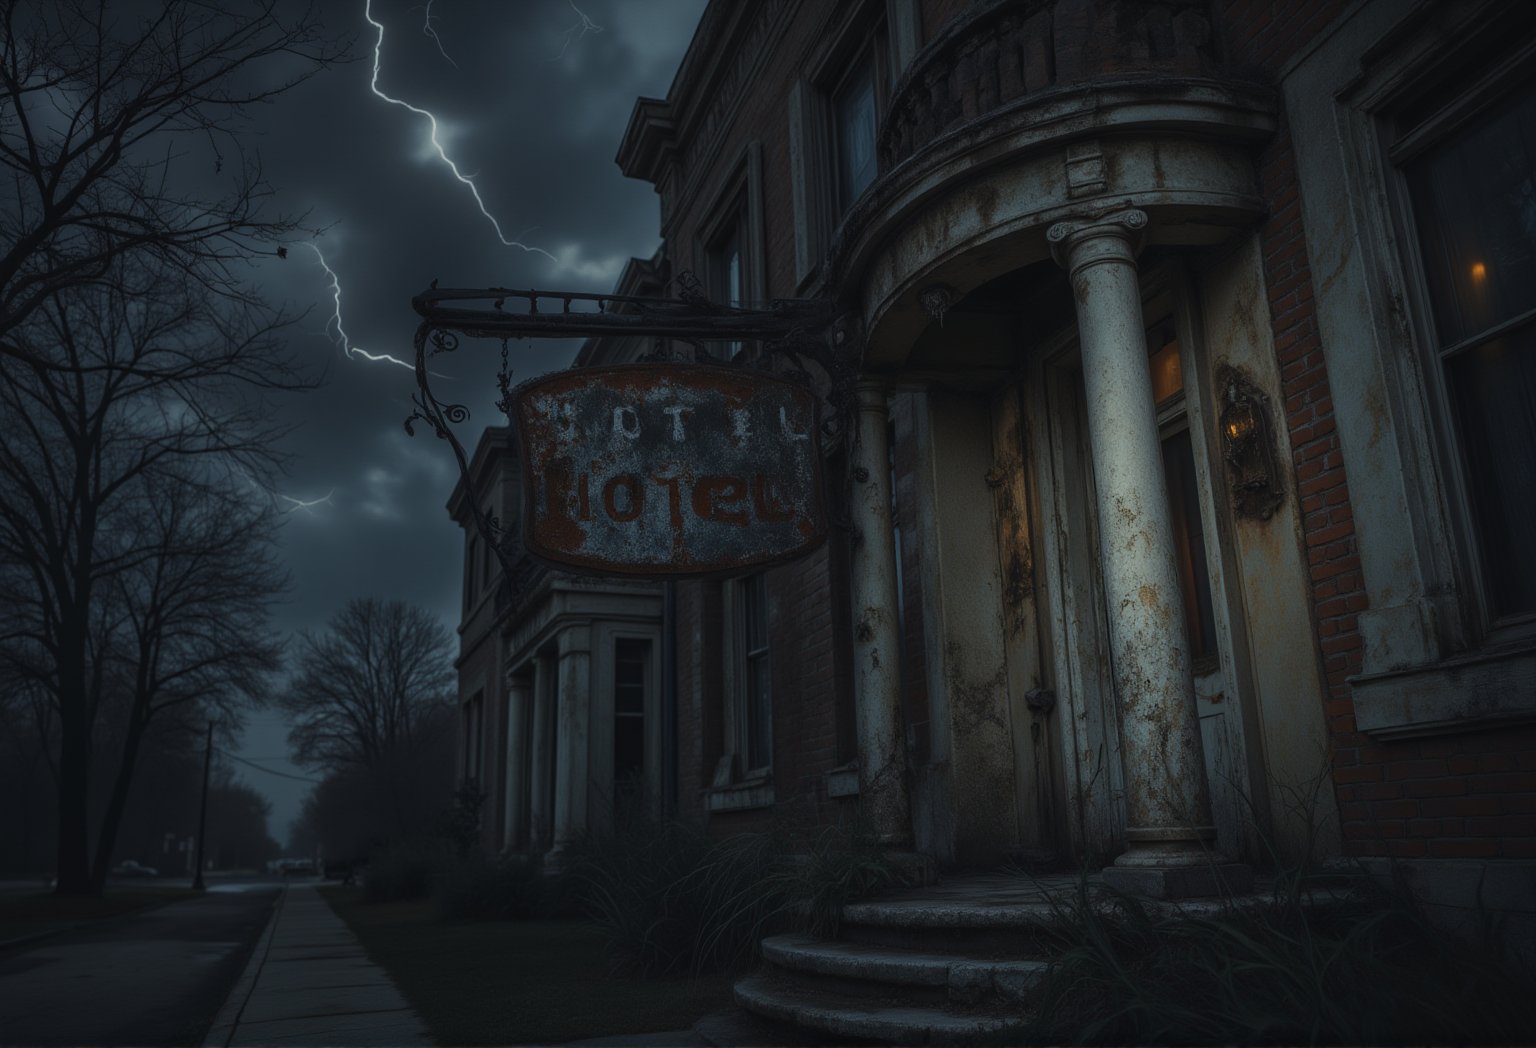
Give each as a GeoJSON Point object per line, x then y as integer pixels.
{"type": "Point", "coordinates": [673, 899]}
{"type": "Point", "coordinates": [480, 888]}
{"type": "Point", "coordinates": [401, 871]}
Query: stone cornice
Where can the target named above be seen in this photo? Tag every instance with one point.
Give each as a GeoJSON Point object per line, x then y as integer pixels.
{"type": "Point", "coordinates": [647, 141]}
{"type": "Point", "coordinates": [684, 132]}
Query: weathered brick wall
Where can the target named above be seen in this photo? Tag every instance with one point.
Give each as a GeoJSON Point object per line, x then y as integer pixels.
{"type": "Point", "coordinates": [1466, 795]}
{"type": "Point", "coordinates": [808, 614]}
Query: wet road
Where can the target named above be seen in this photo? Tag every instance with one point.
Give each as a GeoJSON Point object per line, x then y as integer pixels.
{"type": "Point", "coordinates": [149, 978]}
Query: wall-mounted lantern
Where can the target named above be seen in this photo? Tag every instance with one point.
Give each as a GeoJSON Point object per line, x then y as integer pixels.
{"type": "Point", "coordinates": [1249, 447]}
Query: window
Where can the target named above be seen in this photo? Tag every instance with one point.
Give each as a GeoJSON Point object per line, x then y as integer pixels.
{"type": "Point", "coordinates": [1471, 188]}
{"type": "Point", "coordinates": [751, 691]}
{"type": "Point", "coordinates": [471, 560]}
{"type": "Point", "coordinates": [1427, 309]}
{"type": "Point", "coordinates": [853, 131]}
{"type": "Point", "coordinates": [727, 285]}
{"type": "Point", "coordinates": [728, 250]}
{"type": "Point", "coordinates": [834, 117]}
{"type": "Point", "coordinates": [631, 660]}
{"type": "Point", "coordinates": [725, 269]}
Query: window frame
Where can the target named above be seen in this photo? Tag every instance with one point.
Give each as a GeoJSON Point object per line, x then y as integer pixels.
{"type": "Point", "coordinates": [647, 662]}
{"type": "Point", "coordinates": [1426, 666]}
{"type": "Point", "coordinates": [735, 209]}
{"type": "Point", "coordinates": [739, 680]}
{"type": "Point", "coordinates": [1398, 148]}
{"type": "Point", "coordinates": [813, 139]}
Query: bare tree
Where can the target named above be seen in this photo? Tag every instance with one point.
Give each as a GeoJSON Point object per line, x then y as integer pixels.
{"type": "Point", "coordinates": [125, 484]}
{"type": "Point", "coordinates": [101, 111]}
{"type": "Point", "coordinates": [191, 619]}
{"type": "Point", "coordinates": [372, 693]}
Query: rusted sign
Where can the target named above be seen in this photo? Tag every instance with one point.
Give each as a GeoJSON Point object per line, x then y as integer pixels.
{"type": "Point", "coordinates": [668, 470]}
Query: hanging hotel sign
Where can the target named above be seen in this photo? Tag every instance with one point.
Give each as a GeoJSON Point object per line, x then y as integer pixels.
{"type": "Point", "coordinates": [668, 470]}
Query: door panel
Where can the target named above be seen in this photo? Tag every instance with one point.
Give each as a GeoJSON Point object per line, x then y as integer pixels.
{"type": "Point", "coordinates": [1074, 630]}
{"type": "Point", "coordinates": [1030, 701]}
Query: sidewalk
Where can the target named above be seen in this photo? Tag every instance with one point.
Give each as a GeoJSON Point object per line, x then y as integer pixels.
{"type": "Point", "coordinates": [310, 983]}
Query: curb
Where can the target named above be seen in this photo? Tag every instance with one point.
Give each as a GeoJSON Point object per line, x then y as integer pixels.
{"type": "Point", "coordinates": [223, 1028]}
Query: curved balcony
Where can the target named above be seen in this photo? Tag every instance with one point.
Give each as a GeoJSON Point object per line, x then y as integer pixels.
{"type": "Point", "coordinates": [1008, 50]}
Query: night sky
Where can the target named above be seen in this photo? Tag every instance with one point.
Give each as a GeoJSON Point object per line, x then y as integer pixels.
{"type": "Point", "coordinates": [532, 108]}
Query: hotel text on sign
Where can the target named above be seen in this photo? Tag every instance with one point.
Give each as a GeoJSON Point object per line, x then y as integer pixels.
{"type": "Point", "coordinates": [668, 470]}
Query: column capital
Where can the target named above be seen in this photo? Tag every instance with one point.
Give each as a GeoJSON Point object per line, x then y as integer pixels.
{"type": "Point", "coordinates": [873, 392]}
{"type": "Point", "coordinates": [515, 678]}
{"type": "Point", "coordinates": [575, 640]}
{"type": "Point", "coordinates": [1115, 236]}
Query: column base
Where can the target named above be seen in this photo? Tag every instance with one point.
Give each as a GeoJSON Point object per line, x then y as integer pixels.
{"type": "Point", "coordinates": [557, 859]}
{"type": "Point", "coordinates": [914, 869]}
{"type": "Point", "coordinates": [1181, 882]}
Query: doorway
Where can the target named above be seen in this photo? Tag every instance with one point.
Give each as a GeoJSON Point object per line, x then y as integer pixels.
{"type": "Point", "coordinates": [1074, 628]}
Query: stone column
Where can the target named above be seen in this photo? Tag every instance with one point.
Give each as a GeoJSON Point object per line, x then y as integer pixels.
{"type": "Point", "coordinates": [1170, 832]}
{"type": "Point", "coordinates": [876, 643]}
{"type": "Point", "coordinates": [540, 803]}
{"type": "Point", "coordinates": [515, 826]}
{"type": "Point", "coordinates": [573, 709]}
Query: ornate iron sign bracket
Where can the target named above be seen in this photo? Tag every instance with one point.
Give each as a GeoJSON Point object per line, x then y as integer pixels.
{"type": "Point", "coordinates": [802, 341]}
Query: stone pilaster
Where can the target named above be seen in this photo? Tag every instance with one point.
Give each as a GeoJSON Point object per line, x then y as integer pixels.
{"type": "Point", "coordinates": [876, 640]}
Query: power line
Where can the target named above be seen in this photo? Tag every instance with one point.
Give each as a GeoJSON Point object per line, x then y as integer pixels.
{"type": "Point", "coordinates": [269, 771]}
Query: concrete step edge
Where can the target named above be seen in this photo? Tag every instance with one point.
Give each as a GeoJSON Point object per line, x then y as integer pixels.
{"type": "Point", "coordinates": [965, 978]}
{"type": "Point", "coordinates": [948, 915]}
{"type": "Point", "coordinates": [862, 1019]}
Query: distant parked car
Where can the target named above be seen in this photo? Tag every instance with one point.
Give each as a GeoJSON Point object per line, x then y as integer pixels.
{"type": "Point", "coordinates": [129, 868]}
{"type": "Point", "coordinates": [298, 867]}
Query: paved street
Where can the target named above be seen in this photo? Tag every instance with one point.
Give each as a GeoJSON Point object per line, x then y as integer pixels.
{"type": "Point", "coordinates": [149, 978]}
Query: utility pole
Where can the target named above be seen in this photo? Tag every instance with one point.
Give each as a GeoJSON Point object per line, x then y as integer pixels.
{"type": "Point", "coordinates": [202, 813]}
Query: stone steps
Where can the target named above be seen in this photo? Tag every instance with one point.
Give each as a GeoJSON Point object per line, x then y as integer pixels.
{"type": "Point", "coordinates": [951, 962]}
{"type": "Point", "coordinates": [942, 964]}
{"type": "Point", "coordinates": [938, 978]}
{"type": "Point", "coordinates": [888, 1019]}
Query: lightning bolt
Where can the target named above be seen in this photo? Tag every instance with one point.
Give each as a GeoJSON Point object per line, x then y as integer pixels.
{"type": "Point", "coordinates": [335, 320]}
{"type": "Point", "coordinates": [426, 27]}
{"type": "Point", "coordinates": [378, 60]}
{"type": "Point", "coordinates": [307, 505]}
{"type": "Point", "coordinates": [579, 30]}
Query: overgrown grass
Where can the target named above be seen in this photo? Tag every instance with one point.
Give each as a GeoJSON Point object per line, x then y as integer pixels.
{"type": "Point", "coordinates": [516, 982]}
{"type": "Point", "coordinates": [1365, 971]}
{"type": "Point", "coordinates": [673, 899]}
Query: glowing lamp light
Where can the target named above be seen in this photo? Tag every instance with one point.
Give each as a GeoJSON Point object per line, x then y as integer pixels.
{"type": "Point", "coordinates": [1249, 450]}
{"type": "Point", "coordinates": [1479, 272]}
{"type": "Point", "coordinates": [1240, 422]}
